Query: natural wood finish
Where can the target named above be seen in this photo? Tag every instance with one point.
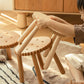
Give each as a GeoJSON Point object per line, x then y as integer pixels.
{"type": "Point", "coordinates": [20, 67]}
{"type": "Point", "coordinates": [19, 4]}
{"type": "Point", "coordinates": [21, 20]}
{"type": "Point", "coordinates": [52, 51]}
{"type": "Point", "coordinates": [54, 5]}
{"type": "Point", "coordinates": [8, 50]}
{"type": "Point", "coordinates": [27, 31]}
{"type": "Point", "coordinates": [8, 39]}
{"type": "Point", "coordinates": [27, 40]}
{"type": "Point", "coordinates": [59, 64]}
{"type": "Point", "coordinates": [40, 60]}
{"type": "Point", "coordinates": [37, 69]}
{"type": "Point", "coordinates": [40, 5]}
{"type": "Point", "coordinates": [37, 44]}
{"type": "Point", "coordinates": [47, 51]}
{"type": "Point", "coordinates": [32, 46]}
{"type": "Point", "coordinates": [34, 5]}
{"type": "Point", "coordinates": [75, 7]}
{"type": "Point", "coordinates": [70, 6]}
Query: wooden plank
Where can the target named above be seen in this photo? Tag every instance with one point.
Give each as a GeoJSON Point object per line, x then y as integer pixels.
{"type": "Point", "coordinates": [54, 5]}
{"type": "Point", "coordinates": [69, 6]}
{"type": "Point", "coordinates": [19, 4]}
{"type": "Point", "coordinates": [75, 7]}
{"type": "Point", "coordinates": [33, 5]}
{"type": "Point", "coordinates": [59, 5]}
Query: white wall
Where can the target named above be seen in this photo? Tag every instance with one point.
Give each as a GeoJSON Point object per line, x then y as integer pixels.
{"type": "Point", "coordinates": [6, 4]}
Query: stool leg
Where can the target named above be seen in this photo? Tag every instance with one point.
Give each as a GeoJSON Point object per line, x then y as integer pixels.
{"type": "Point", "coordinates": [40, 60]}
{"type": "Point", "coordinates": [8, 50]}
{"type": "Point", "coordinates": [59, 64]}
{"type": "Point", "coordinates": [20, 67]}
{"type": "Point", "coordinates": [37, 69]}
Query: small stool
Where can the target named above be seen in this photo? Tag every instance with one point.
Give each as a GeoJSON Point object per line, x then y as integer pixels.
{"type": "Point", "coordinates": [34, 48]}
{"type": "Point", "coordinates": [8, 39]}
{"type": "Point", "coordinates": [27, 45]}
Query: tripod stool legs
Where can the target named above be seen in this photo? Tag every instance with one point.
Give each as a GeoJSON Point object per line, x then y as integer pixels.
{"type": "Point", "coordinates": [37, 69]}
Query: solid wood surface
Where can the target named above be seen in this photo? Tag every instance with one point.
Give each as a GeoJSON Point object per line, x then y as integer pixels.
{"type": "Point", "coordinates": [70, 6]}
{"type": "Point", "coordinates": [8, 39]}
{"type": "Point", "coordinates": [54, 5]}
{"type": "Point", "coordinates": [8, 50]}
{"type": "Point", "coordinates": [33, 5]}
{"type": "Point", "coordinates": [20, 67]}
{"type": "Point", "coordinates": [39, 5]}
{"type": "Point", "coordinates": [37, 69]}
{"type": "Point", "coordinates": [36, 44]}
{"type": "Point", "coordinates": [52, 51]}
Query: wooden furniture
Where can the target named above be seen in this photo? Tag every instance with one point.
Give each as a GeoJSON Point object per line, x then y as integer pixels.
{"type": "Point", "coordinates": [8, 39]}
{"type": "Point", "coordinates": [77, 74]}
{"type": "Point", "coordinates": [60, 6]}
{"type": "Point", "coordinates": [33, 47]}
{"type": "Point", "coordinates": [45, 6]}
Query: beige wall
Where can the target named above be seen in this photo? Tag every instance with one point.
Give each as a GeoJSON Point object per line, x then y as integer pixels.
{"type": "Point", "coordinates": [6, 4]}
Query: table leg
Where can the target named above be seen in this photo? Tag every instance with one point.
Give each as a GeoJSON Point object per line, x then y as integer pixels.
{"type": "Point", "coordinates": [8, 50]}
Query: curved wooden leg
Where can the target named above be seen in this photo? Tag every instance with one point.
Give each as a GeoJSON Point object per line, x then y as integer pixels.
{"type": "Point", "coordinates": [8, 50]}
{"type": "Point", "coordinates": [20, 67]}
{"type": "Point", "coordinates": [37, 69]}
{"type": "Point", "coordinates": [59, 64]}
{"type": "Point", "coordinates": [40, 60]}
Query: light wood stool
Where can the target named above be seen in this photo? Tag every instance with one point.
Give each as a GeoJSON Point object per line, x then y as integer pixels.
{"type": "Point", "coordinates": [34, 47]}
{"type": "Point", "coordinates": [8, 39]}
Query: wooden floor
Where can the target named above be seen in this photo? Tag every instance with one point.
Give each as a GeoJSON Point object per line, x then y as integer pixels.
{"type": "Point", "coordinates": [8, 21]}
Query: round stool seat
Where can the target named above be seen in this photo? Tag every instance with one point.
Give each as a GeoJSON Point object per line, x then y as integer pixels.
{"type": "Point", "coordinates": [8, 39]}
{"type": "Point", "coordinates": [35, 45]}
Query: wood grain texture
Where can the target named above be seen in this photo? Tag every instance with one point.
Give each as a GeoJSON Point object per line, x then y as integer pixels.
{"type": "Point", "coordinates": [8, 39]}
{"type": "Point", "coordinates": [33, 5]}
{"type": "Point", "coordinates": [39, 5]}
{"type": "Point", "coordinates": [37, 69]}
{"type": "Point", "coordinates": [75, 7]}
{"type": "Point", "coordinates": [54, 5]}
{"type": "Point", "coordinates": [70, 6]}
{"type": "Point", "coordinates": [20, 4]}
{"type": "Point", "coordinates": [35, 45]}
{"type": "Point", "coordinates": [59, 64]}
{"type": "Point", "coordinates": [20, 68]}
{"type": "Point", "coordinates": [52, 51]}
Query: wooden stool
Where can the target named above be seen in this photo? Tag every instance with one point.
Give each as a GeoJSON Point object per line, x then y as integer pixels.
{"type": "Point", "coordinates": [34, 46]}
{"type": "Point", "coordinates": [8, 39]}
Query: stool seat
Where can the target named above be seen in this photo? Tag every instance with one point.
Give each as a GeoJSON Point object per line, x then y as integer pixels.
{"type": "Point", "coordinates": [8, 39]}
{"type": "Point", "coordinates": [35, 45]}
